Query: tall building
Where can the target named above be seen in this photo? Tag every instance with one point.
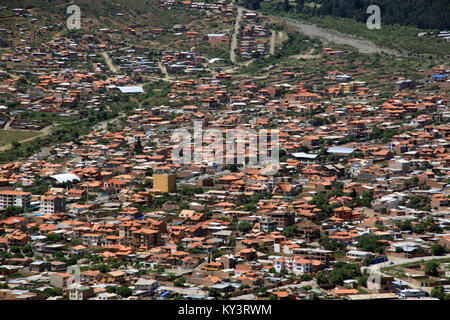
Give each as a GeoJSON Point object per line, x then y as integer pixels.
{"type": "Point", "coordinates": [52, 204]}
{"type": "Point", "coordinates": [164, 182]}
{"type": "Point", "coordinates": [10, 198]}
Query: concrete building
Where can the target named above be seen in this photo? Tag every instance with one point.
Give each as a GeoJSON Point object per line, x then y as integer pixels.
{"type": "Point", "coordinates": [52, 204]}
{"type": "Point", "coordinates": [164, 182]}
{"type": "Point", "coordinates": [10, 198]}
{"type": "Point", "coordinates": [80, 292]}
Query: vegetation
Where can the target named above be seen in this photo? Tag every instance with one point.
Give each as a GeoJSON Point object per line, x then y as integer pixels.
{"type": "Point", "coordinates": [11, 212]}
{"type": "Point", "coordinates": [370, 243]}
{"type": "Point", "coordinates": [341, 271]}
{"type": "Point", "coordinates": [15, 136]}
{"type": "Point", "coordinates": [329, 244]}
{"type": "Point", "coordinates": [397, 31]}
{"type": "Point", "coordinates": [245, 226]}
{"type": "Point", "coordinates": [437, 250]}
{"type": "Point", "coordinates": [432, 268]}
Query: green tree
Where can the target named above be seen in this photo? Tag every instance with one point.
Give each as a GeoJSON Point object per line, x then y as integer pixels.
{"type": "Point", "coordinates": [290, 231]}
{"type": "Point", "coordinates": [432, 268]}
{"type": "Point", "coordinates": [124, 291]}
{"type": "Point", "coordinates": [438, 292]}
{"type": "Point", "coordinates": [179, 282]}
{"type": "Point", "coordinates": [329, 244]}
{"type": "Point", "coordinates": [322, 280]}
{"type": "Point", "coordinates": [245, 226]}
{"type": "Point", "coordinates": [369, 242]}
{"type": "Point", "coordinates": [13, 211]}
{"type": "Point", "coordinates": [437, 249]}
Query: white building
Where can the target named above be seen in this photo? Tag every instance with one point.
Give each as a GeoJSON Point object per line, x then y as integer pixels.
{"type": "Point", "coordinates": [354, 254]}
{"type": "Point", "coordinates": [296, 265]}
{"type": "Point", "coordinates": [80, 292]}
{"type": "Point", "coordinates": [146, 284]}
{"type": "Point", "coordinates": [412, 293]}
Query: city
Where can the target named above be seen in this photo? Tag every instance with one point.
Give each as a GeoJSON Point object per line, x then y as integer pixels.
{"type": "Point", "coordinates": [221, 150]}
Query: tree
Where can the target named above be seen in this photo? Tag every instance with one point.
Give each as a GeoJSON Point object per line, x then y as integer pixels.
{"type": "Point", "coordinates": [16, 145]}
{"type": "Point", "coordinates": [52, 292]}
{"type": "Point", "coordinates": [369, 242]}
{"type": "Point", "coordinates": [13, 211]}
{"type": "Point", "coordinates": [138, 148]}
{"type": "Point", "coordinates": [245, 226]}
{"type": "Point", "coordinates": [438, 292]}
{"type": "Point", "coordinates": [179, 282]}
{"type": "Point", "coordinates": [437, 250]}
{"type": "Point", "coordinates": [299, 5]}
{"type": "Point", "coordinates": [367, 199]}
{"type": "Point", "coordinates": [432, 268]}
{"type": "Point", "coordinates": [124, 291]}
{"type": "Point", "coordinates": [329, 244]}
{"type": "Point", "coordinates": [290, 231]}
{"type": "Point", "coordinates": [322, 280]}
{"type": "Point", "coordinates": [111, 289]}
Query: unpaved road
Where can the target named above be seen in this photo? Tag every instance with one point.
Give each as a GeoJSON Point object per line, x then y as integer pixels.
{"type": "Point", "coordinates": [272, 42]}
{"type": "Point", "coordinates": [163, 70]}
{"type": "Point", "coordinates": [109, 62]}
{"type": "Point", "coordinates": [233, 45]}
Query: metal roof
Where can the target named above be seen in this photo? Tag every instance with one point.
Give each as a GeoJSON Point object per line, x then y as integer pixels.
{"type": "Point", "coordinates": [131, 89]}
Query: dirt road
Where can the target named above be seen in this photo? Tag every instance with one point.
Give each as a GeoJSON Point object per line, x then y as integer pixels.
{"type": "Point", "coordinates": [111, 66]}
{"type": "Point", "coordinates": [233, 45]}
{"type": "Point", "coordinates": [272, 42]}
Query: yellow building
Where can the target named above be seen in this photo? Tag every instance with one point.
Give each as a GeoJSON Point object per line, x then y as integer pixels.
{"type": "Point", "coordinates": [164, 182]}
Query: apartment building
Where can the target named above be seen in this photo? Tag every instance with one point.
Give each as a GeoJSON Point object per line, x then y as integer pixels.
{"type": "Point", "coordinates": [52, 204]}
{"type": "Point", "coordinates": [164, 182]}
{"type": "Point", "coordinates": [293, 264]}
{"type": "Point", "coordinates": [10, 198]}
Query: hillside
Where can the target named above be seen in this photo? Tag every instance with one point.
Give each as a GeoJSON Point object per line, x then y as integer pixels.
{"type": "Point", "coordinates": [427, 14]}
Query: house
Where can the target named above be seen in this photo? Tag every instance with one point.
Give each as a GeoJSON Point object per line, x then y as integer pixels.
{"type": "Point", "coordinates": [60, 279]}
{"type": "Point", "coordinates": [92, 239]}
{"type": "Point", "coordinates": [80, 292]}
{"type": "Point", "coordinates": [146, 284]}
{"type": "Point", "coordinates": [381, 284]}
{"type": "Point", "coordinates": [114, 276]}
{"type": "Point", "coordinates": [88, 276]}
{"type": "Point", "coordinates": [294, 264]}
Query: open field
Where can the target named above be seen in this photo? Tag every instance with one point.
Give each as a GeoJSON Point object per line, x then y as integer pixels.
{"type": "Point", "coordinates": [9, 136]}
